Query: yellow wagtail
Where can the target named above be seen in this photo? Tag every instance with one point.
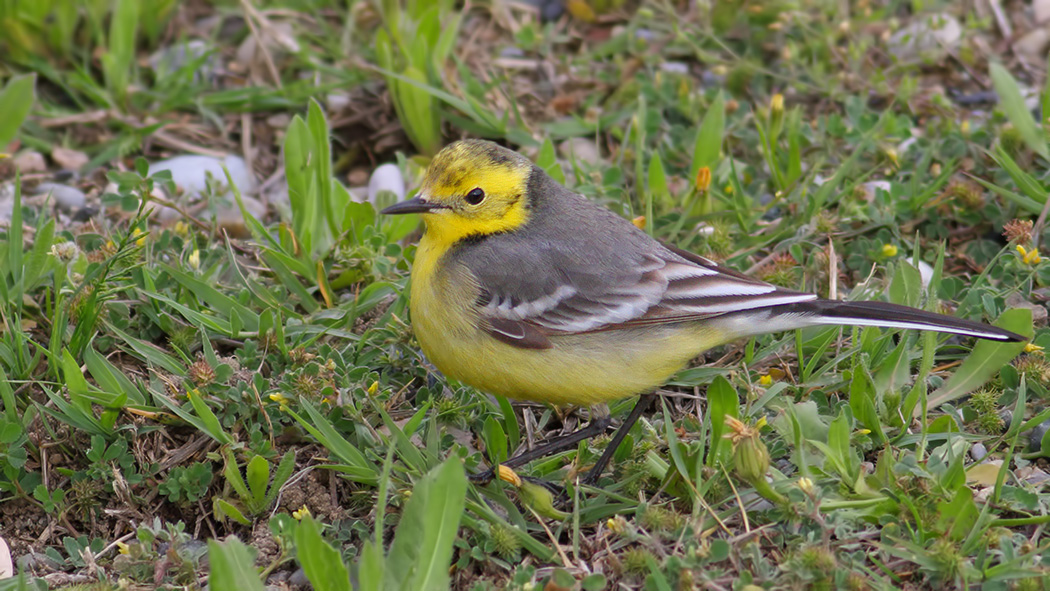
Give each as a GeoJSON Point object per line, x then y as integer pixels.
{"type": "Point", "coordinates": [522, 288]}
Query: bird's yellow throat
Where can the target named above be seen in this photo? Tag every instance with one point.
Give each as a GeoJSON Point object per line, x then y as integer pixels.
{"type": "Point", "coordinates": [453, 174]}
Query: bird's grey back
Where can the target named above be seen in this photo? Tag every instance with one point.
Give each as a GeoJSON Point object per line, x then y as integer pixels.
{"type": "Point", "coordinates": [568, 240]}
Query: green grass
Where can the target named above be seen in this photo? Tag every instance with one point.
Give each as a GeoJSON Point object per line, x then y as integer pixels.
{"type": "Point", "coordinates": [161, 387]}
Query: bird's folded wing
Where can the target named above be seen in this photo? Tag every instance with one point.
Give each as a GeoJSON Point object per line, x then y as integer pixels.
{"type": "Point", "coordinates": [665, 287]}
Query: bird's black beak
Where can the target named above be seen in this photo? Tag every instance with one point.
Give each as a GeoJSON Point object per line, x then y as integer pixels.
{"type": "Point", "coordinates": [417, 205]}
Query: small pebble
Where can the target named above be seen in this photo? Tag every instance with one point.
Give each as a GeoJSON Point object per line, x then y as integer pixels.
{"type": "Point", "coordinates": [337, 101]}
{"type": "Point", "coordinates": [978, 452]}
{"type": "Point", "coordinates": [675, 67]}
{"type": "Point", "coordinates": [298, 578]}
{"type": "Point", "coordinates": [29, 162]}
{"type": "Point", "coordinates": [279, 121]}
{"type": "Point", "coordinates": [190, 172]}
{"type": "Point", "coordinates": [927, 37]}
{"type": "Point", "coordinates": [386, 177]}
{"type": "Point", "coordinates": [66, 198]}
{"type": "Point", "coordinates": [1035, 436]}
{"type": "Point", "coordinates": [69, 159]}
{"type": "Point", "coordinates": [7, 566]}
{"type": "Point", "coordinates": [925, 271]}
{"type": "Point", "coordinates": [358, 176]}
{"type": "Point", "coordinates": [1039, 313]}
{"type": "Point", "coordinates": [1007, 416]}
{"type": "Point", "coordinates": [1032, 475]}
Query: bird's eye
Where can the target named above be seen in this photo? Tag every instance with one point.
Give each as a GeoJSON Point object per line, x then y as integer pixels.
{"type": "Point", "coordinates": [475, 196]}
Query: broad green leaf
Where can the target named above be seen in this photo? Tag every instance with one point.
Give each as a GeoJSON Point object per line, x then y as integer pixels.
{"type": "Point", "coordinates": [987, 358]}
{"type": "Point", "coordinates": [223, 508]}
{"type": "Point", "coordinates": [212, 426]}
{"type": "Point", "coordinates": [258, 477]}
{"type": "Point", "coordinates": [723, 401]}
{"type": "Point", "coordinates": [658, 191]}
{"type": "Point", "coordinates": [959, 516]}
{"type": "Point", "coordinates": [232, 567]}
{"type": "Point", "coordinates": [708, 144]}
{"type": "Point", "coordinates": [1013, 105]}
{"type": "Point", "coordinates": [495, 441]}
{"type": "Point", "coordinates": [109, 378]}
{"type": "Point", "coordinates": [421, 552]}
{"type": "Point", "coordinates": [322, 563]}
{"type": "Point", "coordinates": [280, 476]}
{"type": "Point", "coordinates": [16, 99]}
{"type": "Point", "coordinates": [547, 159]}
{"type": "Point", "coordinates": [906, 285]}
{"type": "Point", "coordinates": [862, 401]}
{"type": "Point", "coordinates": [75, 381]}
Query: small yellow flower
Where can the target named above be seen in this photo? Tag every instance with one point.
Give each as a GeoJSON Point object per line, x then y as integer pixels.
{"type": "Point", "coordinates": [765, 380]}
{"type": "Point", "coordinates": [891, 155]}
{"type": "Point", "coordinates": [192, 392]}
{"type": "Point", "coordinates": [139, 237]}
{"type": "Point", "coordinates": [508, 475]}
{"type": "Point", "coordinates": [301, 512]}
{"type": "Point", "coordinates": [195, 259]}
{"type": "Point", "coordinates": [1029, 257]}
{"type": "Point", "coordinates": [1032, 348]}
{"type": "Point", "coordinates": [373, 388]}
{"type": "Point", "coordinates": [282, 400]}
{"type": "Point", "coordinates": [639, 222]}
{"type": "Point", "coordinates": [776, 104]}
{"type": "Point", "coordinates": [964, 127]}
{"type": "Point", "coordinates": [806, 486]}
{"type": "Point", "coordinates": [703, 179]}
{"type": "Point", "coordinates": [617, 525]}
{"type": "Point", "coordinates": [889, 250]}
{"type": "Point", "coordinates": [863, 431]}
{"type": "Point", "coordinates": [728, 190]}
{"type": "Point", "coordinates": [123, 548]}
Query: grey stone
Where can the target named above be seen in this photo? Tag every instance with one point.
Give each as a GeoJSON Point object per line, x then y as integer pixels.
{"type": "Point", "coordinates": [927, 37]}
{"type": "Point", "coordinates": [67, 198]}
{"type": "Point", "coordinates": [386, 177]}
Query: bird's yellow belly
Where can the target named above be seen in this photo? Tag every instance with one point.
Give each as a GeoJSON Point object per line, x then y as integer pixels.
{"type": "Point", "coordinates": [583, 369]}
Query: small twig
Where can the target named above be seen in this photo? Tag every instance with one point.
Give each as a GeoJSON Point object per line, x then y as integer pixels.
{"type": "Point", "coordinates": [833, 271]}
{"type": "Point", "coordinates": [564, 558]}
{"type": "Point", "coordinates": [251, 16]}
{"type": "Point", "coordinates": [1037, 229]}
{"type": "Point", "coordinates": [1000, 19]}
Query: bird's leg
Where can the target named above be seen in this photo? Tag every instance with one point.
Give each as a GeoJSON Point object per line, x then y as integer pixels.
{"type": "Point", "coordinates": [643, 403]}
{"type": "Point", "coordinates": [596, 426]}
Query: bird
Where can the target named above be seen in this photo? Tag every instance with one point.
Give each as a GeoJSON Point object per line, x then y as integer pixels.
{"type": "Point", "coordinates": [521, 287]}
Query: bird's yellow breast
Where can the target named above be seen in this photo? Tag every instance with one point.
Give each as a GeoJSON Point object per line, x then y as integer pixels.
{"type": "Point", "coordinates": [583, 369]}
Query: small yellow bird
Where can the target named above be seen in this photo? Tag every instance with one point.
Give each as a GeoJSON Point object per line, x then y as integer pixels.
{"type": "Point", "coordinates": [522, 288]}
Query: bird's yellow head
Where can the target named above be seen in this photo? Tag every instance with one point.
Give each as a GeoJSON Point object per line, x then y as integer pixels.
{"type": "Point", "coordinates": [471, 188]}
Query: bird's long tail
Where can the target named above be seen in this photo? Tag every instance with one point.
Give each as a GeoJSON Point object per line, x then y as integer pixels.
{"type": "Point", "coordinates": [835, 312]}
